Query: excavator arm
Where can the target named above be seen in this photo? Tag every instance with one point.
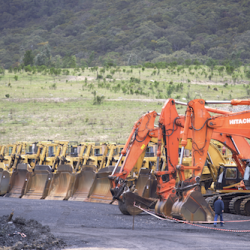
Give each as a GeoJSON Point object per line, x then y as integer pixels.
{"type": "Point", "coordinates": [142, 132]}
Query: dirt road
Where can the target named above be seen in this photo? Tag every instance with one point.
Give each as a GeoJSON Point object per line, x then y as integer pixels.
{"type": "Point", "coordinates": [95, 226]}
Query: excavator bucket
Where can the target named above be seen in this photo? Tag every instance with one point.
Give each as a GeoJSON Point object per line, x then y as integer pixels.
{"type": "Point", "coordinates": [192, 207]}
{"type": "Point", "coordinates": [4, 180]}
{"type": "Point", "coordinates": [38, 183]}
{"type": "Point", "coordinates": [100, 190]}
{"type": "Point", "coordinates": [164, 207]}
{"type": "Point", "coordinates": [18, 180]}
{"type": "Point", "coordinates": [145, 184]}
{"type": "Point", "coordinates": [129, 199]}
{"type": "Point", "coordinates": [144, 195]}
{"type": "Point", "coordinates": [83, 182]}
{"type": "Point", "coordinates": [62, 183]}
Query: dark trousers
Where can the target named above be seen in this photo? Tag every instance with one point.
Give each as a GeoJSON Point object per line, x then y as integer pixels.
{"type": "Point", "coordinates": [216, 217]}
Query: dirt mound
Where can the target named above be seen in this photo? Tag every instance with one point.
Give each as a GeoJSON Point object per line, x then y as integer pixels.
{"type": "Point", "coordinates": [26, 234]}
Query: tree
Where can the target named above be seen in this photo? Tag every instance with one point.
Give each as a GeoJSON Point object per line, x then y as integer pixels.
{"type": "Point", "coordinates": [91, 58]}
{"type": "Point", "coordinates": [28, 58]}
{"type": "Point", "coordinates": [211, 63]}
{"type": "Point", "coordinates": [43, 58]}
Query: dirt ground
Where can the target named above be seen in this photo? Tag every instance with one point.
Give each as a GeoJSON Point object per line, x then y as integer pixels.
{"type": "Point", "coordinates": [96, 226]}
{"type": "Point", "coordinates": [22, 234]}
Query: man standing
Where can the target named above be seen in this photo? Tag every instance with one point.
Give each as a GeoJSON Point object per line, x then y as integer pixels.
{"type": "Point", "coordinates": [218, 209]}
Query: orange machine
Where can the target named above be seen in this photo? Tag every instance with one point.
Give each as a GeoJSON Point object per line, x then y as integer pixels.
{"type": "Point", "coordinates": [169, 132]}
{"type": "Point", "coordinates": [141, 134]}
{"type": "Point", "coordinates": [203, 125]}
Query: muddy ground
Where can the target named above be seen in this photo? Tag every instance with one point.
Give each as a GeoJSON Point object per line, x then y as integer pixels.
{"type": "Point", "coordinates": [82, 225]}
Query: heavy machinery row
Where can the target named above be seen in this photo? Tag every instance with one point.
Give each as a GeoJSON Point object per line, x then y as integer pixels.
{"type": "Point", "coordinates": [178, 167]}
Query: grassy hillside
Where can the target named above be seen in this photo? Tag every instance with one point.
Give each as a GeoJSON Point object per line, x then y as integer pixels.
{"type": "Point", "coordinates": [126, 32]}
{"type": "Point", "coordinates": [75, 105]}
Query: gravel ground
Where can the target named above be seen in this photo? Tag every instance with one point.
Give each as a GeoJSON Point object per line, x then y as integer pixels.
{"type": "Point", "coordinates": [83, 225]}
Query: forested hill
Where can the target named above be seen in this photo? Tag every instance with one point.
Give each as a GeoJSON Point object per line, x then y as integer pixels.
{"type": "Point", "coordinates": [125, 31]}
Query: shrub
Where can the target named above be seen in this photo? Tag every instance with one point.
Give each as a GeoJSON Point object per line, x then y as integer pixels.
{"type": "Point", "coordinates": [98, 100]}
{"type": "Point", "coordinates": [16, 77]}
{"type": "Point", "coordinates": [7, 95]}
{"type": "Point", "coordinates": [53, 86]}
{"type": "Point", "coordinates": [136, 80]}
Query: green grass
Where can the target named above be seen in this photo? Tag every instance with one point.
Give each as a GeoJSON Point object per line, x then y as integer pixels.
{"type": "Point", "coordinates": [41, 107]}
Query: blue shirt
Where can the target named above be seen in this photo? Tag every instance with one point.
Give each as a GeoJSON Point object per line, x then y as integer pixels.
{"type": "Point", "coordinates": [218, 206]}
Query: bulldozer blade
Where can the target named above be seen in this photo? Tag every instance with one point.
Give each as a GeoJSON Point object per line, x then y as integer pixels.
{"type": "Point", "coordinates": [18, 180]}
{"type": "Point", "coordinates": [192, 207]}
{"type": "Point", "coordinates": [129, 199]}
{"type": "Point", "coordinates": [62, 183]}
{"type": "Point", "coordinates": [100, 190]}
{"type": "Point", "coordinates": [145, 185]}
{"type": "Point", "coordinates": [83, 182]}
{"type": "Point", "coordinates": [38, 183]}
{"type": "Point", "coordinates": [4, 181]}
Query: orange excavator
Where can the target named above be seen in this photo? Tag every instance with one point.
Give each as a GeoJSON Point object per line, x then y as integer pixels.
{"type": "Point", "coordinates": [169, 131]}
{"type": "Point", "coordinates": [203, 125]}
{"type": "Point", "coordinates": [141, 134]}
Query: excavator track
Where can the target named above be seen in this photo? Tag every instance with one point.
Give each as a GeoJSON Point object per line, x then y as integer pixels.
{"type": "Point", "coordinates": [235, 204]}
{"type": "Point", "coordinates": [210, 200]}
{"type": "Point", "coordinates": [228, 199]}
{"type": "Point", "coordinates": [245, 206]}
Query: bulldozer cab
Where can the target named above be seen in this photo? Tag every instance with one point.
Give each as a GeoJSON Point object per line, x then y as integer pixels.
{"type": "Point", "coordinates": [117, 153]}
{"type": "Point", "coordinates": [96, 155]}
{"type": "Point", "coordinates": [51, 152]}
{"type": "Point", "coordinates": [150, 157]}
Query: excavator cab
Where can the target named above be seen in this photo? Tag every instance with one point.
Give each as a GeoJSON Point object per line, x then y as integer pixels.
{"type": "Point", "coordinates": [247, 178]}
{"type": "Point", "coordinates": [228, 176]}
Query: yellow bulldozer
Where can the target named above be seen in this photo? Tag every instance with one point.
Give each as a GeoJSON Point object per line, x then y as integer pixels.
{"type": "Point", "coordinates": [73, 179]}
{"type": "Point", "coordinates": [39, 182]}
{"type": "Point", "coordinates": [23, 169]}
{"type": "Point", "coordinates": [9, 157]}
